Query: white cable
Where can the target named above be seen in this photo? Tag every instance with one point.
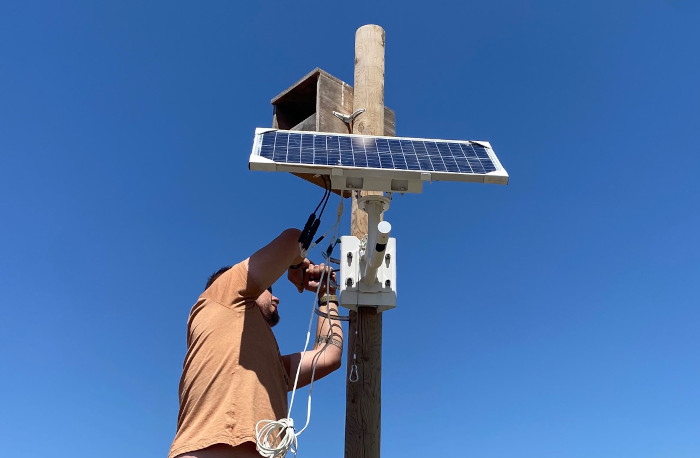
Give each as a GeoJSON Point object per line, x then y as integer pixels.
{"type": "Point", "coordinates": [267, 436]}
{"type": "Point", "coordinates": [275, 429]}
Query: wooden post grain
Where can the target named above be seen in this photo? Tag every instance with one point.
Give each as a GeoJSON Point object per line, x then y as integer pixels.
{"type": "Point", "coordinates": [363, 397]}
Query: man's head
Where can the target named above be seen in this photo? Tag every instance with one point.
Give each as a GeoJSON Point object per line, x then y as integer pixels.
{"type": "Point", "coordinates": [266, 302]}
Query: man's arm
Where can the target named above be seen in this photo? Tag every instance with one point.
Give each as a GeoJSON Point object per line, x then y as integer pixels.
{"type": "Point", "coordinates": [270, 262]}
{"type": "Point", "coordinates": [327, 352]}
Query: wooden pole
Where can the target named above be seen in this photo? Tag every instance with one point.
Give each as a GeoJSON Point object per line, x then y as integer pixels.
{"type": "Point", "coordinates": [363, 397]}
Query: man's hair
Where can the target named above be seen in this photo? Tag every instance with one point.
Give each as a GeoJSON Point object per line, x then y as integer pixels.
{"type": "Point", "coordinates": [218, 273]}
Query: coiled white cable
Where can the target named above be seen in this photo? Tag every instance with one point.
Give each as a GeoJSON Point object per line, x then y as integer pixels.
{"type": "Point", "coordinates": [270, 432]}
{"type": "Point", "coordinates": [275, 438]}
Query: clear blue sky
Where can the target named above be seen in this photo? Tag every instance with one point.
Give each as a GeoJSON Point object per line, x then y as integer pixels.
{"type": "Point", "coordinates": [553, 317]}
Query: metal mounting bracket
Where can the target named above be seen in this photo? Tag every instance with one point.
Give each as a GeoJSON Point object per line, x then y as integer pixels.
{"type": "Point", "coordinates": [368, 266]}
{"type": "Point", "coordinates": [354, 290]}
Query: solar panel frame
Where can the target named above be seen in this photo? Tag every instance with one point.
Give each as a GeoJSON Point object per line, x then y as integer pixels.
{"type": "Point", "coordinates": [376, 157]}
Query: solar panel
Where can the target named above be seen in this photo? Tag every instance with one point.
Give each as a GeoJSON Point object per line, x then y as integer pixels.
{"type": "Point", "coordinates": [375, 162]}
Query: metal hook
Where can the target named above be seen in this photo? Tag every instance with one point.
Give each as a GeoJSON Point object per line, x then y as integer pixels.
{"type": "Point", "coordinates": [354, 377]}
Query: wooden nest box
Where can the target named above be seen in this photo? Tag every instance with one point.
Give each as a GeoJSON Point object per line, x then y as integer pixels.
{"type": "Point", "coordinates": [309, 104]}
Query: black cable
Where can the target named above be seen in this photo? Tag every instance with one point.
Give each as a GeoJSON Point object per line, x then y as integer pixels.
{"type": "Point", "coordinates": [312, 224]}
{"type": "Point", "coordinates": [327, 195]}
{"type": "Point", "coordinates": [324, 199]}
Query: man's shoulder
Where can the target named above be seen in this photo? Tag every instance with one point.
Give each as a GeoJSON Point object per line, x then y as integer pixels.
{"type": "Point", "coordinates": [233, 287]}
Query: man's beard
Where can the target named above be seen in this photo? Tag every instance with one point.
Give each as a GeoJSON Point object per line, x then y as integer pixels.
{"type": "Point", "coordinates": [271, 316]}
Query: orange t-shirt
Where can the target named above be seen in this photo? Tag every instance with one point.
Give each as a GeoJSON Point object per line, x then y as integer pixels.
{"type": "Point", "coordinates": [233, 374]}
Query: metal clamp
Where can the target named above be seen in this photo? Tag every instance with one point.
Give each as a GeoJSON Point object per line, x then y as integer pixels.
{"type": "Point", "coordinates": [347, 119]}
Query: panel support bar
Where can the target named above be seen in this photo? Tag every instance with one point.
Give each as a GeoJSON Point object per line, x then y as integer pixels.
{"type": "Point", "coordinates": [377, 235]}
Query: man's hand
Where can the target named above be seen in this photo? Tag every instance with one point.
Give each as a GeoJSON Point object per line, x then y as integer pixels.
{"type": "Point", "coordinates": [308, 275]}
{"type": "Point", "coordinates": [297, 275]}
{"type": "Point", "coordinates": [313, 278]}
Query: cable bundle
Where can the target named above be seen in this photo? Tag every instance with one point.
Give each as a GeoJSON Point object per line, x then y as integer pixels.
{"type": "Point", "coordinates": [270, 433]}
{"type": "Point", "coordinates": [311, 226]}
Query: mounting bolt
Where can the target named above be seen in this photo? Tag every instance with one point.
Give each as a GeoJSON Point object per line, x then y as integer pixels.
{"type": "Point", "coordinates": [387, 257]}
{"type": "Point", "coordinates": [348, 282]}
{"type": "Point", "coordinates": [387, 284]}
{"type": "Point", "coordinates": [349, 257]}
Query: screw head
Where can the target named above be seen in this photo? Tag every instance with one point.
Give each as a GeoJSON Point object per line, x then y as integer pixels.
{"type": "Point", "coordinates": [348, 282]}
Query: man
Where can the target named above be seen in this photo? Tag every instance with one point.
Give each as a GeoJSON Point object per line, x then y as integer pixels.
{"type": "Point", "coordinates": [233, 375]}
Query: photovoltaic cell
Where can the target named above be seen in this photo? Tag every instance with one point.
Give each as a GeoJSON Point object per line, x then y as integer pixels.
{"type": "Point", "coordinates": [324, 149]}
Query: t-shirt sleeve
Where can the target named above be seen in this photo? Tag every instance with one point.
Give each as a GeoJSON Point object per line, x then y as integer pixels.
{"type": "Point", "coordinates": [233, 288]}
